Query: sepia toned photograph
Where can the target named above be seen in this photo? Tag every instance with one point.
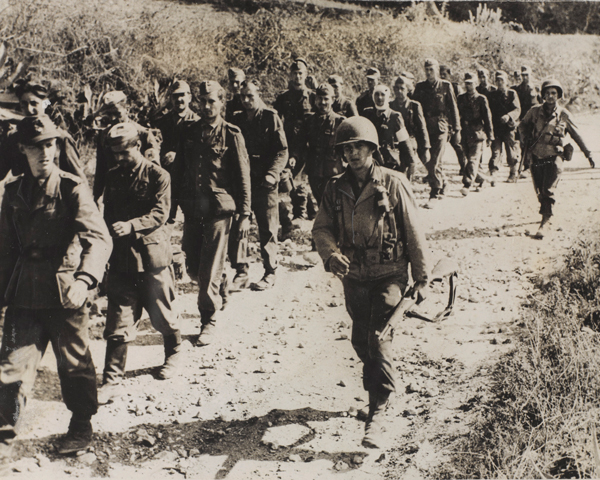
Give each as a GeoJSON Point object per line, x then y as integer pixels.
{"type": "Point", "coordinates": [299, 239]}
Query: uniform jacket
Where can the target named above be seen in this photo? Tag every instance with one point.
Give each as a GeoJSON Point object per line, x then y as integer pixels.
{"type": "Point", "coordinates": [414, 121]}
{"type": "Point", "coordinates": [528, 97]}
{"type": "Point", "coordinates": [170, 126]}
{"type": "Point", "coordinates": [344, 106]}
{"type": "Point", "coordinates": [485, 91]}
{"type": "Point", "coordinates": [320, 156]}
{"type": "Point", "coordinates": [265, 142]}
{"type": "Point", "coordinates": [391, 131]}
{"type": "Point", "coordinates": [501, 104]}
{"type": "Point", "coordinates": [364, 101]}
{"type": "Point", "coordinates": [233, 107]}
{"type": "Point", "coordinates": [293, 107]}
{"type": "Point", "coordinates": [141, 196]}
{"type": "Point", "coordinates": [439, 106]}
{"type": "Point", "coordinates": [475, 117]}
{"type": "Point", "coordinates": [548, 131]}
{"type": "Point", "coordinates": [357, 227]}
{"type": "Point", "coordinates": [105, 160]}
{"type": "Point", "coordinates": [48, 240]}
{"type": "Point", "coordinates": [211, 174]}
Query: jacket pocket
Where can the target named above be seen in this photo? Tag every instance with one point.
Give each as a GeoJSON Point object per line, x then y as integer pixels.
{"type": "Point", "coordinates": [155, 250]}
{"type": "Point", "coordinates": [222, 203]}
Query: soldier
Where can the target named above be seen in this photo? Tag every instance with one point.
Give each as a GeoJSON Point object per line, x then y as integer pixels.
{"type": "Point", "coordinates": [446, 74]}
{"type": "Point", "coordinates": [527, 92]}
{"type": "Point", "coordinates": [211, 180]}
{"type": "Point", "coordinates": [365, 99]}
{"type": "Point", "coordinates": [137, 201]}
{"type": "Point", "coordinates": [322, 163]}
{"type": "Point", "coordinates": [236, 77]}
{"type": "Point", "coordinates": [33, 101]}
{"type": "Point", "coordinates": [394, 150]}
{"type": "Point", "coordinates": [113, 111]}
{"type": "Point", "coordinates": [484, 87]}
{"type": "Point", "coordinates": [505, 108]}
{"type": "Point", "coordinates": [267, 149]}
{"type": "Point", "coordinates": [414, 121]}
{"type": "Point", "coordinates": [543, 130]}
{"type": "Point", "coordinates": [517, 77]}
{"type": "Point", "coordinates": [367, 233]}
{"type": "Point", "coordinates": [341, 104]}
{"type": "Point", "coordinates": [54, 247]}
{"type": "Point", "coordinates": [476, 122]}
{"type": "Point", "coordinates": [437, 98]}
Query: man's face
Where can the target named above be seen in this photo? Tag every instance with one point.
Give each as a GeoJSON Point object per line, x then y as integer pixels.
{"type": "Point", "coordinates": [337, 89]}
{"type": "Point", "coordinates": [401, 91]}
{"type": "Point", "coordinates": [31, 105]}
{"type": "Point", "coordinates": [357, 154]}
{"type": "Point", "coordinates": [235, 85]}
{"type": "Point", "coordinates": [432, 73]}
{"type": "Point", "coordinates": [211, 106]}
{"type": "Point", "coordinates": [444, 74]}
{"type": "Point", "coordinates": [551, 96]}
{"type": "Point", "coordinates": [250, 97]}
{"type": "Point", "coordinates": [115, 114]}
{"type": "Point", "coordinates": [181, 101]}
{"type": "Point", "coordinates": [372, 83]}
{"type": "Point", "coordinates": [501, 83]}
{"type": "Point", "coordinates": [324, 103]}
{"type": "Point", "coordinates": [128, 156]}
{"type": "Point", "coordinates": [483, 80]}
{"type": "Point", "coordinates": [525, 78]}
{"type": "Point", "coordinates": [470, 87]}
{"type": "Point", "coordinates": [297, 78]}
{"type": "Point", "coordinates": [40, 157]}
{"type": "Point", "coordinates": [381, 98]}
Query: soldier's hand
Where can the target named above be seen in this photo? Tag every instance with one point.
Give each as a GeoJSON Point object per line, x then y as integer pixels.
{"type": "Point", "coordinates": [244, 226]}
{"type": "Point", "coordinates": [505, 118]}
{"type": "Point", "coordinates": [270, 180]}
{"type": "Point", "coordinates": [488, 142]}
{"type": "Point", "coordinates": [592, 163]}
{"type": "Point", "coordinates": [291, 162]}
{"type": "Point", "coordinates": [426, 156]}
{"type": "Point", "coordinates": [77, 294]}
{"type": "Point", "coordinates": [420, 289]}
{"type": "Point", "coordinates": [339, 264]}
{"type": "Point", "coordinates": [168, 158]}
{"type": "Point", "coordinates": [122, 229]}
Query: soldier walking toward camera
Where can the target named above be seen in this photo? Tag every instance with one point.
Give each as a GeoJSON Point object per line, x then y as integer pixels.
{"type": "Point", "coordinates": [505, 108]}
{"type": "Point", "coordinates": [211, 179]}
{"type": "Point", "coordinates": [484, 87]}
{"type": "Point", "coordinates": [342, 105]}
{"type": "Point", "coordinates": [476, 122]}
{"type": "Point", "coordinates": [446, 74]}
{"type": "Point", "coordinates": [527, 92]}
{"type": "Point", "coordinates": [267, 149]}
{"type": "Point", "coordinates": [137, 201]}
{"type": "Point", "coordinates": [437, 98]}
{"type": "Point", "coordinates": [54, 247]}
{"type": "Point", "coordinates": [368, 234]}
{"type": "Point", "coordinates": [234, 106]}
{"type": "Point", "coordinates": [365, 99]}
{"type": "Point", "coordinates": [543, 131]}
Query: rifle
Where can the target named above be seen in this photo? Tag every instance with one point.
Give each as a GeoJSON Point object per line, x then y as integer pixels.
{"type": "Point", "coordinates": [444, 268]}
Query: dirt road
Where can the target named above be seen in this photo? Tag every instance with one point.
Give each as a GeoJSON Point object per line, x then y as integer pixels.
{"type": "Point", "coordinates": [278, 395]}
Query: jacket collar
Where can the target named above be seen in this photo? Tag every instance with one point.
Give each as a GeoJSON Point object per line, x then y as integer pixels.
{"type": "Point", "coordinates": [370, 187]}
{"type": "Point", "coordinates": [50, 190]}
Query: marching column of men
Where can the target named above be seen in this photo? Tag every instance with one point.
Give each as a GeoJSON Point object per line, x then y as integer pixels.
{"type": "Point", "coordinates": [220, 167]}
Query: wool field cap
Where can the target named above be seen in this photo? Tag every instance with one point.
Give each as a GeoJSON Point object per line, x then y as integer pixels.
{"type": "Point", "coordinates": [32, 130]}
{"type": "Point", "coordinates": [501, 74]}
{"type": "Point", "coordinates": [236, 74]}
{"type": "Point", "coordinates": [407, 75]}
{"type": "Point", "coordinates": [445, 67]}
{"type": "Point", "coordinates": [431, 62]}
{"type": "Point", "coordinates": [325, 89]}
{"type": "Point", "coordinates": [209, 86]}
{"type": "Point", "coordinates": [179, 86]}
{"type": "Point", "coordinates": [526, 69]}
{"type": "Point", "coordinates": [373, 72]}
{"type": "Point", "coordinates": [470, 77]}
{"type": "Point", "coordinates": [335, 80]}
{"type": "Point", "coordinates": [122, 134]}
{"type": "Point", "coordinates": [482, 71]}
{"type": "Point", "coordinates": [112, 99]}
{"type": "Point", "coordinates": [299, 64]}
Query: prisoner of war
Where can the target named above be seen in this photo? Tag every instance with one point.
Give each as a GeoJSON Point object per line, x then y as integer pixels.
{"type": "Point", "coordinates": [368, 233]}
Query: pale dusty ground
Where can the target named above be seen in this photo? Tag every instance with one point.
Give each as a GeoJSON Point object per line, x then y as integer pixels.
{"type": "Point", "coordinates": [276, 395]}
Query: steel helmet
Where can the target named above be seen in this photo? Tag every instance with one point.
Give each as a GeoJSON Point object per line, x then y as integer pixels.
{"type": "Point", "coordinates": [552, 83]}
{"type": "Point", "coordinates": [356, 129]}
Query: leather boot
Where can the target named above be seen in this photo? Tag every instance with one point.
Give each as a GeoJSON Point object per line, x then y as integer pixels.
{"type": "Point", "coordinates": [173, 357]}
{"type": "Point", "coordinates": [375, 426]}
{"type": "Point", "coordinates": [78, 438]}
{"type": "Point", "coordinates": [544, 224]}
{"type": "Point", "coordinates": [512, 177]}
{"type": "Point", "coordinates": [114, 371]}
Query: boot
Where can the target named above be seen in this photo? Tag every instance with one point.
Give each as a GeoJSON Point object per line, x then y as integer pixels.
{"type": "Point", "coordinates": [224, 291]}
{"type": "Point", "coordinates": [78, 438]}
{"type": "Point", "coordinates": [544, 224]}
{"type": "Point", "coordinates": [207, 333]}
{"type": "Point", "coordinates": [299, 199]}
{"type": "Point", "coordinates": [239, 282]}
{"type": "Point", "coordinates": [173, 357]}
{"type": "Point", "coordinates": [512, 177]}
{"type": "Point", "coordinates": [375, 428]}
{"type": "Point", "coordinates": [114, 371]}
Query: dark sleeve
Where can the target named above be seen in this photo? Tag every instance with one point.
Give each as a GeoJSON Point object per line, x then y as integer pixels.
{"type": "Point", "coordinates": [514, 108]}
{"type": "Point", "coordinates": [278, 105]}
{"type": "Point", "coordinates": [323, 232]}
{"type": "Point", "coordinates": [150, 146]}
{"type": "Point", "coordinates": [575, 135]}
{"type": "Point", "coordinates": [69, 160]}
{"type": "Point", "coordinates": [101, 168]}
{"type": "Point", "coordinates": [161, 206]}
{"type": "Point", "coordinates": [453, 109]}
{"type": "Point", "coordinates": [351, 110]}
{"type": "Point", "coordinates": [421, 127]}
{"type": "Point", "coordinates": [279, 148]}
{"type": "Point", "coordinates": [9, 246]}
{"type": "Point", "coordinates": [487, 118]}
{"type": "Point", "coordinates": [241, 172]}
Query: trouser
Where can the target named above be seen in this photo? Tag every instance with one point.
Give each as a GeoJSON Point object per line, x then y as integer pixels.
{"type": "Point", "coordinates": [24, 341]}
{"type": "Point", "coordinates": [506, 138]}
{"type": "Point", "coordinates": [204, 243]}
{"type": "Point", "coordinates": [129, 293]}
{"type": "Point", "coordinates": [434, 166]}
{"type": "Point", "coordinates": [265, 205]}
{"type": "Point", "coordinates": [473, 150]}
{"type": "Point", "coordinates": [304, 203]}
{"type": "Point", "coordinates": [545, 173]}
{"type": "Point", "coordinates": [459, 150]}
{"type": "Point", "coordinates": [370, 304]}
{"type": "Point", "coordinates": [317, 186]}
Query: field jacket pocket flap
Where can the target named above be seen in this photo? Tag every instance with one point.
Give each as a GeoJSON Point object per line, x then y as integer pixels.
{"type": "Point", "coordinates": [64, 279]}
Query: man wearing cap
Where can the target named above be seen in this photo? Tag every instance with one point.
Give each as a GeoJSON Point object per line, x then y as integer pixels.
{"type": "Point", "coordinates": [476, 123]}
{"type": "Point", "coordinates": [137, 201]}
{"type": "Point", "coordinates": [527, 92]}
{"type": "Point", "coordinates": [414, 121]}
{"type": "Point", "coordinates": [505, 108]}
{"type": "Point", "coordinates": [446, 74]}
{"type": "Point", "coordinates": [211, 180]}
{"type": "Point", "coordinates": [484, 87]}
{"type": "Point", "coordinates": [236, 76]}
{"type": "Point", "coordinates": [113, 111]}
{"type": "Point", "coordinates": [267, 149]}
{"type": "Point", "coordinates": [54, 246]}
{"type": "Point", "coordinates": [394, 151]}
{"type": "Point", "coordinates": [437, 98]}
{"type": "Point", "coordinates": [342, 105]}
{"type": "Point", "coordinates": [543, 130]}
{"type": "Point", "coordinates": [365, 99]}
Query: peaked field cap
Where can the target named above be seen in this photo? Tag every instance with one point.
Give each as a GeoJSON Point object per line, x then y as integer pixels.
{"type": "Point", "coordinates": [335, 80]}
{"type": "Point", "coordinates": [32, 130]}
{"type": "Point", "coordinates": [407, 75]}
{"type": "Point", "coordinates": [113, 98]}
{"type": "Point", "coordinates": [325, 89]}
{"type": "Point", "coordinates": [122, 133]}
{"type": "Point", "coordinates": [501, 74]}
{"type": "Point", "coordinates": [209, 86]}
{"type": "Point", "coordinates": [526, 69]}
{"type": "Point", "coordinates": [39, 89]}
{"type": "Point", "coordinates": [236, 74]}
{"type": "Point", "coordinates": [373, 72]}
{"type": "Point", "coordinates": [179, 86]}
{"type": "Point", "coordinates": [299, 64]}
{"type": "Point", "coordinates": [470, 77]}
{"type": "Point", "coordinates": [431, 62]}
{"type": "Point", "coordinates": [482, 70]}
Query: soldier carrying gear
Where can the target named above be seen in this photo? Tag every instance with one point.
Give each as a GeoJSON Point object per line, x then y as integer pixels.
{"type": "Point", "coordinates": [368, 234]}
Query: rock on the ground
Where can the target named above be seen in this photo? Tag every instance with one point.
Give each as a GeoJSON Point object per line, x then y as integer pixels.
{"type": "Point", "coordinates": [285, 435]}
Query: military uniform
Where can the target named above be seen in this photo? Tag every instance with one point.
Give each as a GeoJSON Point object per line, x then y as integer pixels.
{"type": "Point", "coordinates": [344, 106]}
{"type": "Point", "coordinates": [171, 125]}
{"type": "Point", "coordinates": [528, 97]}
{"type": "Point", "coordinates": [504, 105]}
{"type": "Point", "coordinates": [364, 101]}
{"type": "Point", "coordinates": [485, 90]}
{"type": "Point", "coordinates": [457, 146]}
{"type": "Point", "coordinates": [414, 122]}
{"type": "Point", "coordinates": [233, 107]}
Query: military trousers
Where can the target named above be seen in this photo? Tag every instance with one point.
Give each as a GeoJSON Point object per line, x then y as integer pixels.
{"type": "Point", "coordinates": [204, 243]}
{"type": "Point", "coordinates": [437, 181]}
{"type": "Point", "coordinates": [265, 205]}
{"type": "Point", "coordinates": [512, 147]}
{"type": "Point", "coordinates": [545, 173]}
{"type": "Point", "coordinates": [130, 293]}
{"type": "Point", "coordinates": [473, 150]}
{"type": "Point", "coordinates": [461, 155]}
{"type": "Point", "coordinates": [369, 304]}
{"type": "Point", "coordinates": [27, 333]}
